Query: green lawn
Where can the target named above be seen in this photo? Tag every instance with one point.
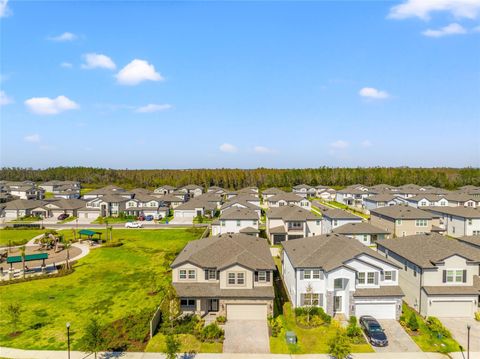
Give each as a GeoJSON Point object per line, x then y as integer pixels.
{"type": "Point", "coordinates": [112, 220]}
{"type": "Point", "coordinates": [114, 283]}
{"type": "Point", "coordinates": [164, 220]}
{"type": "Point", "coordinates": [310, 341]}
{"type": "Point", "coordinates": [85, 190]}
{"type": "Point", "coordinates": [26, 220]}
{"type": "Point", "coordinates": [425, 339]}
{"type": "Point", "coordinates": [18, 236]}
{"type": "Point", "coordinates": [188, 343]}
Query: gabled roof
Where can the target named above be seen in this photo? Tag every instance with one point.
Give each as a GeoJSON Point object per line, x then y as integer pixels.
{"type": "Point", "coordinates": [69, 203]}
{"type": "Point", "coordinates": [401, 212]}
{"type": "Point", "coordinates": [272, 191]}
{"type": "Point", "coordinates": [359, 228]}
{"type": "Point", "coordinates": [290, 213]}
{"type": "Point", "coordinates": [23, 204]}
{"type": "Point", "coordinates": [300, 186]}
{"type": "Point", "coordinates": [239, 213]}
{"type": "Point", "coordinates": [382, 197]}
{"type": "Point", "coordinates": [328, 251]}
{"type": "Point", "coordinates": [425, 250]}
{"type": "Point", "coordinates": [224, 251]}
{"type": "Point", "coordinates": [464, 212]}
{"type": "Point", "coordinates": [286, 196]}
{"type": "Point", "coordinates": [428, 196]}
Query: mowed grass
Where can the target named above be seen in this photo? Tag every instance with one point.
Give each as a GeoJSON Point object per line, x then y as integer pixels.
{"type": "Point", "coordinates": [188, 343]}
{"type": "Point", "coordinates": [314, 340]}
{"type": "Point", "coordinates": [18, 236]}
{"type": "Point", "coordinates": [111, 282]}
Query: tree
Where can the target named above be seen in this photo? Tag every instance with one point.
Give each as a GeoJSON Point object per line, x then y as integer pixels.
{"type": "Point", "coordinates": [172, 347]}
{"type": "Point", "coordinates": [412, 322]}
{"type": "Point", "coordinates": [22, 253]}
{"type": "Point", "coordinates": [339, 346]}
{"type": "Point", "coordinates": [309, 308]}
{"type": "Point", "coordinates": [67, 243]}
{"type": "Point", "coordinates": [14, 310]}
{"type": "Point", "coordinates": [93, 340]}
{"type": "Point", "coordinates": [353, 330]}
{"type": "Point", "coordinates": [170, 306]}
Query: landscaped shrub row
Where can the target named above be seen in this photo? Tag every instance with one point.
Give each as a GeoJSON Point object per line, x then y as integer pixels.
{"type": "Point", "coordinates": [192, 324]}
{"type": "Point", "coordinates": [275, 325]}
{"type": "Point", "coordinates": [312, 316]}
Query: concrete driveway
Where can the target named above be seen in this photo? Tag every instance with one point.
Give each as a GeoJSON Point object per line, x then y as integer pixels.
{"type": "Point", "coordinates": [458, 328]}
{"type": "Point", "coordinates": [398, 339]}
{"type": "Point", "coordinates": [181, 220]}
{"type": "Point", "coordinates": [246, 336]}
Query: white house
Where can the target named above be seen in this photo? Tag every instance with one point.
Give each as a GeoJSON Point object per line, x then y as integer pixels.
{"type": "Point", "coordinates": [380, 200]}
{"type": "Point", "coordinates": [287, 198]}
{"type": "Point", "coordinates": [236, 220]}
{"type": "Point", "coordinates": [341, 276]}
{"type": "Point", "coordinates": [457, 221]}
{"type": "Point", "coordinates": [334, 217]}
{"type": "Point", "coordinates": [363, 232]}
{"type": "Point", "coordinates": [304, 190]}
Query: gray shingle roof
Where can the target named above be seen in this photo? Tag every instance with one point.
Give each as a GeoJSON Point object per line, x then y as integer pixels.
{"type": "Point", "coordinates": [225, 250]}
{"type": "Point", "coordinates": [286, 196]}
{"type": "Point", "coordinates": [239, 213]}
{"type": "Point", "coordinates": [465, 212]}
{"type": "Point", "coordinates": [402, 212]}
{"type": "Point", "coordinates": [290, 213]}
{"type": "Point", "coordinates": [336, 213]}
{"type": "Point", "coordinates": [475, 240]}
{"type": "Point", "coordinates": [359, 228]}
{"type": "Point", "coordinates": [425, 250]}
{"type": "Point", "coordinates": [383, 291]}
{"type": "Point", "coordinates": [23, 204]}
{"type": "Point", "coordinates": [383, 197]}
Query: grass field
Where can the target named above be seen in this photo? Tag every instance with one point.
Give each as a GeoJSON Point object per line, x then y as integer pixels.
{"type": "Point", "coordinates": [188, 342]}
{"type": "Point", "coordinates": [113, 283]}
{"type": "Point", "coordinates": [18, 236]}
{"type": "Point", "coordinates": [314, 340]}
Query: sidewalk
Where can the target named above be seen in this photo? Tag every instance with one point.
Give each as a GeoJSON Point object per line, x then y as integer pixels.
{"type": "Point", "coordinates": [52, 354]}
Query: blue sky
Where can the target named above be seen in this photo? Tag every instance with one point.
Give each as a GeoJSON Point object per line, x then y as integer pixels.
{"type": "Point", "coordinates": [240, 84]}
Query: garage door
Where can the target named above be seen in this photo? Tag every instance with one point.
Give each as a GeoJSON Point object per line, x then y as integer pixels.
{"type": "Point", "coordinates": [448, 309]}
{"type": "Point", "coordinates": [378, 310]}
{"type": "Point", "coordinates": [246, 311]}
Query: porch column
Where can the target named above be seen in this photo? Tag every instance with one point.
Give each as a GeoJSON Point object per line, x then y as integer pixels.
{"type": "Point", "coordinates": [198, 305]}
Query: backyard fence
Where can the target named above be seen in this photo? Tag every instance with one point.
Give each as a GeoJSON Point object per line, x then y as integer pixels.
{"type": "Point", "coordinates": [155, 321]}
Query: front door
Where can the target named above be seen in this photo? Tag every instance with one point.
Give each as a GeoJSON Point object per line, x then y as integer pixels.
{"type": "Point", "coordinates": [213, 305]}
{"type": "Point", "coordinates": [337, 304]}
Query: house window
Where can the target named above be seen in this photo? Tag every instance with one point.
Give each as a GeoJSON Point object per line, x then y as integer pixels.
{"type": "Point", "coordinates": [187, 302]}
{"type": "Point", "coordinates": [476, 233]}
{"type": "Point", "coordinates": [388, 275]}
{"type": "Point", "coordinates": [311, 274]}
{"type": "Point", "coordinates": [454, 276]}
{"type": "Point", "coordinates": [231, 278]}
{"type": "Point", "coordinates": [371, 278]}
{"type": "Point", "coordinates": [316, 274]}
{"type": "Point", "coordinates": [238, 223]}
{"type": "Point", "coordinates": [361, 278]}
{"type": "Point", "coordinates": [470, 221]}
{"type": "Point", "coordinates": [338, 284]}
{"type": "Point", "coordinates": [223, 223]}
{"type": "Point", "coordinates": [212, 274]}
{"type": "Point", "coordinates": [365, 237]}
{"type": "Point", "coordinates": [192, 274]}
{"type": "Point", "coordinates": [236, 278]}
{"type": "Point", "coordinates": [311, 299]}
{"type": "Point", "coordinates": [399, 222]}
{"type": "Point", "coordinates": [254, 223]}
{"type": "Point", "coordinates": [421, 222]}
{"type": "Point", "coordinates": [182, 274]}
{"type": "Point", "coordinates": [423, 203]}
{"type": "Point", "coordinates": [335, 222]}
{"type": "Point", "coordinates": [262, 276]}
{"type": "Point", "coordinates": [295, 225]}
{"type": "Point", "coordinates": [318, 222]}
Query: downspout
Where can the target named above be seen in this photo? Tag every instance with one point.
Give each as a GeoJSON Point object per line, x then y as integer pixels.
{"type": "Point", "coordinates": [420, 296]}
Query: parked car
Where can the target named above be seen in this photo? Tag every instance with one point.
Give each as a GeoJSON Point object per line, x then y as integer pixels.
{"type": "Point", "coordinates": [63, 216]}
{"type": "Point", "coordinates": [374, 331]}
{"type": "Point", "coordinates": [133, 225]}
{"type": "Point", "coordinates": [149, 218]}
{"type": "Point", "coordinates": [141, 218]}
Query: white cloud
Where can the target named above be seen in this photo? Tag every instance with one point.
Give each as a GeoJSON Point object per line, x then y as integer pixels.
{"type": "Point", "coordinates": [50, 106]}
{"type": "Point", "coordinates": [422, 8]}
{"type": "Point", "coordinates": [66, 36]}
{"type": "Point", "coordinates": [136, 72]}
{"type": "Point", "coordinates": [153, 108]}
{"type": "Point", "coordinates": [93, 61]}
{"type": "Point", "coordinates": [366, 144]}
{"type": "Point", "coordinates": [339, 145]}
{"type": "Point", "coordinates": [228, 148]}
{"type": "Point", "coordinates": [452, 29]}
{"type": "Point", "coordinates": [66, 65]}
{"type": "Point", "coordinates": [5, 99]}
{"type": "Point", "coordinates": [34, 138]}
{"type": "Point", "coordinates": [373, 93]}
{"type": "Point", "coordinates": [263, 150]}
{"type": "Point", "coordinates": [4, 9]}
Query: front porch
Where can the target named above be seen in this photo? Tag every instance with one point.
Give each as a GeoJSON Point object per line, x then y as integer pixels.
{"type": "Point", "coordinates": [208, 308]}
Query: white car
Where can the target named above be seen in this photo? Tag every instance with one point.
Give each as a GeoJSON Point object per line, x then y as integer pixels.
{"type": "Point", "coordinates": [133, 225]}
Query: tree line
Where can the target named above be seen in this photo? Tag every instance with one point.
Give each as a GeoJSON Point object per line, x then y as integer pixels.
{"type": "Point", "coordinates": [231, 178]}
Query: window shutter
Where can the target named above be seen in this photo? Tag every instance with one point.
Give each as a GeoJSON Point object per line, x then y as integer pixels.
{"type": "Point", "coordinates": [218, 274]}
{"type": "Point", "coordinates": [376, 278]}
{"type": "Point", "coordinates": [464, 276]}
{"type": "Point", "coordinates": [302, 299]}
{"type": "Point", "coordinates": [268, 276]}
{"type": "Point", "coordinates": [206, 274]}
{"type": "Point", "coordinates": [321, 275]}
{"type": "Point", "coordinates": [256, 276]}
{"type": "Point", "coordinates": [301, 275]}
{"type": "Point", "coordinates": [394, 276]}
{"type": "Point", "coordinates": [320, 300]}
{"type": "Point", "coordinates": [444, 276]}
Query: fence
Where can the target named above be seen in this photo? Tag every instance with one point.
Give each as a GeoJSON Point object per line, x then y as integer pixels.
{"type": "Point", "coordinates": [155, 321]}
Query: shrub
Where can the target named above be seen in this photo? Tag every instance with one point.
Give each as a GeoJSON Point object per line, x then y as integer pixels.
{"type": "Point", "coordinates": [211, 332]}
{"type": "Point", "coordinates": [276, 325]}
{"type": "Point", "coordinates": [353, 330]}
{"type": "Point", "coordinates": [437, 327]}
{"type": "Point", "coordinates": [412, 322]}
{"type": "Point", "coordinates": [314, 312]}
{"type": "Point", "coordinates": [186, 324]}
{"type": "Point", "coordinates": [477, 316]}
{"type": "Point", "coordinates": [339, 346]}
{"type": "Point", "coordinates": [221, 319]}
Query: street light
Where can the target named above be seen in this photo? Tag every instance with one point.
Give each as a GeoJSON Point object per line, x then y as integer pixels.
{"type": "Point", "coordinates": [468, 341]}
{"type": "Point", "coordinates": [68, 339]}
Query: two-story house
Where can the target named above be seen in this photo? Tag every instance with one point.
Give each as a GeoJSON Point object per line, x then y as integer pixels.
{"type": "Point", "coordinates": [165, 189]}
{"type": "Point", "coordinates": [380, 200]}
{"type": "Point", "coordinates": [291, 222]}
{"type": "Point", "coordinates": [424, 200]}
{"type": "Point", "coordinates": [192, 190]}
{"type": "Point", "coordinates": [457, 221]}
{"type": "Point", "coordinates": [287, 198]}
{"type": "Point", "coordinates": [236, 220]}
{"type": "Point", "coordinates": [229, 275]}
{"type": "Point", "coordinates": [270, 192]}
{"type": "Point", "coordinates": [304, 190]}
{"type": "Point", "coordinates": [404, 220]}
{"type": "Point", "coordinates": [439, 276]}
{"type": "Point", "coordinates": [334, 217]}
{"type": "Point", "coordinates": [342, 276]}
{"type": "Point", "coordinates": [363, 232]}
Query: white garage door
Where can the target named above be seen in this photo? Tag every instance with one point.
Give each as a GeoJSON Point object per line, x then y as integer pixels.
{"type": "Point", "coordinates": [378, 310]}
{"type": "Point", "coordinates": [246, 311]}
{"type": "Point", "coordinates": [451, 308]}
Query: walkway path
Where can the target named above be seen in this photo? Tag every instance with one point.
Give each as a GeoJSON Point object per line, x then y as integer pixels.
{"type": "Point", "coordinates": [51, 354]}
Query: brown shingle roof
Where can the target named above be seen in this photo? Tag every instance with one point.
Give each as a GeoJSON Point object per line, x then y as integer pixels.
{"type": "Point", "coordinates": [359, 228]}
{"type": "Point", "coordinates": [401, 212]}
{"type": "Point", "coordinates": [290, 213]}
{"type": "Point", "coordinates": [383, 291]}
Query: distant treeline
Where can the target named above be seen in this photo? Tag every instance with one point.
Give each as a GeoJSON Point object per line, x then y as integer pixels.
{"type": "Point", "coordinates": [450, 178]}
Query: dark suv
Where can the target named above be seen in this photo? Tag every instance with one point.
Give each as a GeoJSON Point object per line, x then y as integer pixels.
{"type": "Point", "coordinates": [63, 216]}
{"type": "Point", "coordinates": [374, 331]}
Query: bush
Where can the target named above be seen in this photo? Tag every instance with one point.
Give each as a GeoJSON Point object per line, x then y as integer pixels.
{"type": "Point", "coordinates": [317, 316]}
{"type": "Point", "coordinates": [437, 327]}
{"type": "Point", "coordinates": [211, 332]}
{"type": "Point", "coordinates": [276, 325]}
{"type": "Point", "coordinates": [477, 316]}
{"type": "Point", "coordinates": [186, 324]}
{"type": "Point", "coordinates": [412, 322]}
{"type": "Point", "coordinates": [221, 319]}
{"type": "Point", "coordinates": [353, 330]}
{"type": "Point", "coordinates": [339, 346]}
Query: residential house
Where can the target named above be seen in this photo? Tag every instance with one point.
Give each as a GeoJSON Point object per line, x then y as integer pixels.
{"type": "Point", "coordinates": [236, 220]}
{"type": "Point", "coordinates": [172, 200]}
{"type": "Point", "coordinates": [352, 195]}
{"type": "Point", "coordinates": [304, 190]}
{"type": "Point", "coordinates": [240, 203]}
{"type": "Point", "coordinates": [144, 204]}
{"type": "Point", "coordinates": [364, 232]}
{"type": "Point", "coordinates": [270, 192]}
{"type": "Point", "coordinates": [56, 185]}
{"type": "Point", "coordinates": [380, 200]}
{"type": "Point", "coordinates": [108, 190]}
{"type": "Point", "coordinates": [21, 208]}
{"type": "Point", "coordinates": [462, 200]}
{"type": "Point", "coordinates": [56, 207]}
{"type": "Point", "coordinates": [404, 220]}
{"type": "Point", "coordinates": [25, 190]}
{"type": "Point", "coordinates": [229, 275]}
{"type": "Point", "coordinates": [326, 193]}
{"type": "Point", "coordinates": [438, 275]}
{"type": "Point", "coordinates": [334, 217]}
{"type": "Point", "coordinates": [341, 276]}
{"type": "Point", "coordinates": [473, 241]}
{"type": "Point", "coordinates": [424, 200]}
{"type": "Point", "coordinates": [288, 198]}
{"type": "Point", "coordinates": [165, 189]}
{"type": "Point", "coordinates": [192, 190]}
{"type": "Point", "coordinates": [457, 221]}
{"type": "Point", "coordinates": [291, 222]}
